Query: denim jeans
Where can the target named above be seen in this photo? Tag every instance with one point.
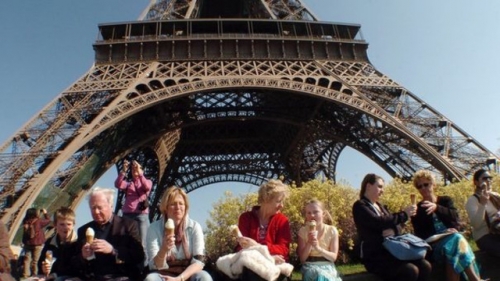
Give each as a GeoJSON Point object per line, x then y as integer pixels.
{"type": "Point", "coordinates": [200, 276]}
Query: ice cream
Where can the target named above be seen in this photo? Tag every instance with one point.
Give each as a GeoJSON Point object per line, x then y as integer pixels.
{"type": "Point", "coordinates": [169, 227]}
{"type": "Point", "coordinates": [90, 235]}
{"type": "Point", "coordinates": [48, 256]}
{"type": "Point", "coordinates": [235, 231]}
{"type": "Point", "coordinates": [413, 198]}
{"type": "Point", "coordinates": [312, 225]}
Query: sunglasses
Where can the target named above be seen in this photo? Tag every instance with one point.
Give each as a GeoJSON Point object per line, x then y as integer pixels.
{"type": "Point", "coordinates": [486, 178]}
{"type": "Point", "coordinates": [420, 186]}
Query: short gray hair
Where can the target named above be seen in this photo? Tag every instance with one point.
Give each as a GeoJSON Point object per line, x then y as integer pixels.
{"type": "Point", "coordinates": [107, 192]}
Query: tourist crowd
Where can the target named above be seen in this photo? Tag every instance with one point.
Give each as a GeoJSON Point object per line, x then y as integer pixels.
{"type": "Point", "coordinates": [128, 247]}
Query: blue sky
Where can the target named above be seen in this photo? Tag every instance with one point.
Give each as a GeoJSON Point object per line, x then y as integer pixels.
{"type": "Point", "coordinates": [445, 52]}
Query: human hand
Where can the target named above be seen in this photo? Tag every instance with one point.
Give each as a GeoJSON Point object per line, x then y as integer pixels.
{"type": "Point", "coordinates": [87, 251]}
{"type": "Point", "coordinates": [46, 267]}
{"type": "Point", "coordinates": [484, 196]}
{"type": "Point", "coordinates": [451, 230]}
{"type": "Point", "coordinates": [168, 242]}
{"type": "Point", "coordinates": [136, 167]}
{"type": "Point", "coordinates": [410, 210]}
{"type": "Point", "coordinates": [429, 207]}
{"type": "Point", "coordinates": [312, 238]}
{"type": "Point", "coordinates": [101, 246]}
{"type": "Point", "coordinates": [169, 278]}
{"type": "Point", "coordinates": [126, 164]}
{"type": "Point", "coordinates": [279, 259]}
{"type": "Point", "coordinates": [388, 232]}
{"type": "Point", "coordinates": [246, 242]}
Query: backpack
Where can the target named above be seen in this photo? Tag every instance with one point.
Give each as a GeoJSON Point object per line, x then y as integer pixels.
{"type": "Point", "coordinates": [30, 233]}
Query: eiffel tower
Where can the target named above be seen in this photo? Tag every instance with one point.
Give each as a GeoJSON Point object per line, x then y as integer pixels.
{"type": "Point", "coordinates": [201, 95]}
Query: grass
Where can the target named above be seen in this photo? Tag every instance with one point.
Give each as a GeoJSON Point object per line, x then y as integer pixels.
{"type": "Point", "coordinates": [344, 269]}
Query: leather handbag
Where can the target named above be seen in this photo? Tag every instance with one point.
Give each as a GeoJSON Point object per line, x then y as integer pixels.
{"type": "Point", "coordinates": [406, 247]}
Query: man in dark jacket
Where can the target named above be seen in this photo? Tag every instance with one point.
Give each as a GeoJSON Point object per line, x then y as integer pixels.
{"type": "Point", "coordinates": [116, 251]}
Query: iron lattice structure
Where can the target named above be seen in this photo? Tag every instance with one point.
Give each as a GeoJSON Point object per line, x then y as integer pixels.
{"type": "Point", "coordinates": [200, 96]}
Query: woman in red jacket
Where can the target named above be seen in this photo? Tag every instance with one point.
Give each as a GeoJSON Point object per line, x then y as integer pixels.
{"type": "Point", "coordinates": [33, 240]}
{"type": "Point", "coordinates": [266, 225]}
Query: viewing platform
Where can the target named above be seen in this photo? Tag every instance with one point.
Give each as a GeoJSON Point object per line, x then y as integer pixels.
{"type": "Point", "coordinates": [228, 39]}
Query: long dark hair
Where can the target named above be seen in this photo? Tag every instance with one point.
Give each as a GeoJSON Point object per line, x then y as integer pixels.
{"type": "Point", "coordinates": [31, 214]}
{"type": "Point", "coordinates": [478, 174]}
{"type": "Point", "coordinates": [368, 179]}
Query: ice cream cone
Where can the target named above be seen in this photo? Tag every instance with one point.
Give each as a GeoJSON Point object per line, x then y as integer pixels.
{"type": "Point", "coordinates": [49, 256]}
{"type": "Point", "coordinates": [169, 227]}
{"type": "Point", "coordinates": [235, 231]}
{"type": "Point", "coordinates": [312, 225]}
{"type": "Point", "coordinates": [89, 234]}
{"type": "Point", "coordinates": [413, 199]}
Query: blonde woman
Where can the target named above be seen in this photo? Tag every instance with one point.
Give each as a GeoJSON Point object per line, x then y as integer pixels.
{"type": "Point", "coordinates": [179, 256]}
{"type": "Point", "coordinates": [266, 225]}
{"type": "Point", "coordinates": [438, 215]}
{"type": "Point", "coordinates": [318, 244]}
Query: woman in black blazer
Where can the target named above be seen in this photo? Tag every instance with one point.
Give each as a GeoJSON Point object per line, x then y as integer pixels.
{"type": "Point", "coordinates": [374, 222]}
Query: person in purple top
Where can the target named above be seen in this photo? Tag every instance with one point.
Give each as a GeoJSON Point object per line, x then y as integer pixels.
{"type": "Point", "coordinates": [136, 193]}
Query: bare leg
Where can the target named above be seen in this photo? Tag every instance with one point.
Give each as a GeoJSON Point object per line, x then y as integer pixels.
{"type": "Point", "coordinates": [471, 274]}
{"type": "Point", "coordinates": [451, 275]}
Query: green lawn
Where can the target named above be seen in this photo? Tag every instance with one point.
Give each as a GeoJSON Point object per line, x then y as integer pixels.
{"type": "Point", "coordinates": [345, 269]}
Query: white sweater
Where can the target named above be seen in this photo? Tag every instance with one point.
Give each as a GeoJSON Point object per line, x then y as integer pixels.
{"type": "Point", "coordinates": [476, 211]}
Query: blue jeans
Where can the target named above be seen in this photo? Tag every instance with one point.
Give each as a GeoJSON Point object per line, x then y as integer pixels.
{"type": "Point", "coordinates": [143, 223]}
{"type": "Point", "coordinates": [200, 276]}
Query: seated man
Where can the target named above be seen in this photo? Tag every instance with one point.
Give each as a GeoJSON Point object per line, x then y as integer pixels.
{"type": "Point", "coordinates": [55, 259]}
{"type": "Point", "coordinates": [116, 253]}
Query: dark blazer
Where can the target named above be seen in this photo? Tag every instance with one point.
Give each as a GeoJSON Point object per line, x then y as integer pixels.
{"type": "Point", "coordinates": [125, 238]}
{"type": "Point", "coordinates": [423, 225]}
{"type": "Point", "coordinates": [370, 225]}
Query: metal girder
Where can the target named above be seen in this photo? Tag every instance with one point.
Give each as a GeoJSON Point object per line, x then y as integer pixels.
{"type": "Point", "coordinates": [222, 100]}
{"type": "Point", "coordinates": [191, 9]}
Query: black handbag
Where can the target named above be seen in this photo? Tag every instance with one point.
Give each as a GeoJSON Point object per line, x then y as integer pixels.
{"type": "Point", "coordinates": [143, 205]}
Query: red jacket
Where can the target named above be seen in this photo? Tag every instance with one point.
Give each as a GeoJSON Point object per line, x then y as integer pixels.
{"type": "Point", "coordinates": [39, 236]}
{"type": "Point", "coordinates": [278, 235]}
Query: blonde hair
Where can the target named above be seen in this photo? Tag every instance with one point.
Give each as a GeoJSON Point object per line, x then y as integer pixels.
{"type": "Point", "coordinates": [166, 199]}
{"type": "Point", "coordinates": [64, 213]}
{"type": "Point", "coordinates": [423, 174]}
{"type": "Point", "coordinates": [169, 196]}
{"type": "Point", "coordinates": [327, 217]}
{"type": "Point", "coordinates": [268, 190]}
